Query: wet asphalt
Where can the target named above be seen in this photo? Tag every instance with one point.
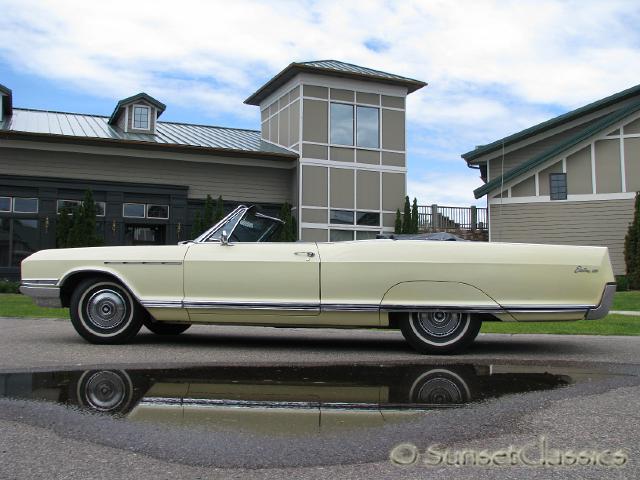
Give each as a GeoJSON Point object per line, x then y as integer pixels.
{"type": "Point", "coordinates": [596, 411]}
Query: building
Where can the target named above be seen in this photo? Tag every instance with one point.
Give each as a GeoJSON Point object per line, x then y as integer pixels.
{"type": "Point", "coordinates": [569, 180]}
{"type": "Point", "coordinates": [331, 143]}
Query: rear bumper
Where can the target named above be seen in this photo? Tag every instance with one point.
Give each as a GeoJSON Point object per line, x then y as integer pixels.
{"type": "Point", "coordinates": [601, 310]}
{"type": "Point", "coordinates": [44, 293]}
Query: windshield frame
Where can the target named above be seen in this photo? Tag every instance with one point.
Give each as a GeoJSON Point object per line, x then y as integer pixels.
{"type": "Point", "coordinates": [241, 211]}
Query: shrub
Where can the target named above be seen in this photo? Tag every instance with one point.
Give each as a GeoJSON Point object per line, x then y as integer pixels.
{"type": "Point", "coordinates": [7, 286]}
{"type": "Point", "coordinates": [632, 248]}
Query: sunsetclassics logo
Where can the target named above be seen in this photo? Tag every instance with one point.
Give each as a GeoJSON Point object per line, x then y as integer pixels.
{"type": "Point", "coordinates": [534, 454]}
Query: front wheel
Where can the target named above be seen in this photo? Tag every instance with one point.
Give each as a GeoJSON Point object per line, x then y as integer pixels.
{"type": "Point", "coordinates": [440, 332]}
{"type": "Point", "coordinates": [103, 311]}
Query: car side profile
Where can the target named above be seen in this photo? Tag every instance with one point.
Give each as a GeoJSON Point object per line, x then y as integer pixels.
{"type": "Point", "coordinates": [436, 292]}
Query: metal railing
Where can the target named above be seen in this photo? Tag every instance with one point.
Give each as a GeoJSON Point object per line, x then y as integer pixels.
{"type": "Point", "coordinates": [439, 218]}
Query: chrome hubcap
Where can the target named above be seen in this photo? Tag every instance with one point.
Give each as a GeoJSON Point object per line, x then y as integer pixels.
{"type": "Point", "coordinates": [105, 391]}
{"type": "Point", "coordinates": [439, 323]}
{"type": "Point", "coordinates": [440, 391]}
{"type": "Point", "coordinates": [106, 309]}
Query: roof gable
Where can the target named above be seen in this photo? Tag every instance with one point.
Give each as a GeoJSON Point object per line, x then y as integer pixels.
{"type": "Point", "coordinates": [332, 68]}
{"type": "Point", "coordinates": [593, 129]}
{"type": "Point", "coordinates": [7, 102]}
{"type": "Point", "coordinates": [552, 123]}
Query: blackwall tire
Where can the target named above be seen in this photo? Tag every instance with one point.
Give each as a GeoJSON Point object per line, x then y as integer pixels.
{"type": "Point", "coordinates": [165, 328]}
{"type": "Point", "coordinates": [440, 333]}
{"type": "Point", "coordinates": [103, 311]}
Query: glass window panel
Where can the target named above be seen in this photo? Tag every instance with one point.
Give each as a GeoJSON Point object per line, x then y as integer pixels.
{"type": "Point", "coordinates": [228, 227]}
{"type": "Point", "coordinates": [558, 186]}
{"type": "Point", "coordinates": [254, 228]}
{"type": "Point", "coordinates": [343, 217]}
{"type": "Point", "coordinates": [133, 210]}
{"type": "Point", "coordinates": [365, 235]}
{"type": "Point", "coordinates": [26, 240]}
{"type": "Point", "coordinates": [70, 204]}
{"type": "Point", "coordinates": [5, 241]}
{"type": "Point", "coordinates": [101, 208]}
{"type": "Point", "coordinates": [141, 117]}
{"type": "Point", "coordinates": [5, 204]}
{"type": "Point", "coordinates": [25, 205]}
{"type": "Point", "coordinates": [157, 211]}
{"type": "Point", "coordinates": [341, 124]}
{"type": "Point", "coordinates": [340, 235]}
{"type": "Point", "coordinates": [368, 218]}
{"type": "Point", "coordinates": [368, 132]}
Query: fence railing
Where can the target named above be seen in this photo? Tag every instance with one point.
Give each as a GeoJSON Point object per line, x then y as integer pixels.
{"type": "Point", "coordinates": [439, 218]}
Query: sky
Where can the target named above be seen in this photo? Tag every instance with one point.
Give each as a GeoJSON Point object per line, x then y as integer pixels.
{"type": "Point", "coordinates": [493, 67]}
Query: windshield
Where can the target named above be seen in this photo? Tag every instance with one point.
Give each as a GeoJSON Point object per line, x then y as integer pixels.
{"type": "Point", "coordinates": [255, 228]}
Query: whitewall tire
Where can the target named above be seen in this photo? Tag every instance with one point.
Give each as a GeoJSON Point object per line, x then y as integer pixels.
{"type": "Point", "coordinates": [103, 311]}
{"type": "Point", "coordinates": [440, 332]}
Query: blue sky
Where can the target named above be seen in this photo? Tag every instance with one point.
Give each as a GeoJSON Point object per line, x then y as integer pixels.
{"type": "Point", "coordinates": [493, 67]}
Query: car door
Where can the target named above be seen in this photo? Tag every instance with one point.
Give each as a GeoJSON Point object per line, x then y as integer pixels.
{"type": "Point", "coordinates": [255, 279]}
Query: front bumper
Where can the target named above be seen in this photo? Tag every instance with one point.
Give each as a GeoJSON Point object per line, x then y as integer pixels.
{"type": "Point", "coordinates": [45, 293]}
{"type": "Point", "coordinates": [606, 301]}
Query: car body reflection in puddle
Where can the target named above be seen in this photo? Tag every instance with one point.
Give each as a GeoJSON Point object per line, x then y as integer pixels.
{"type": "Point", "coordinates": [276, 400]}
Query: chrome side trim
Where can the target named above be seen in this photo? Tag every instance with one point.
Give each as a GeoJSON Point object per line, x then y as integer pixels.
{"type": "Point", "coordinates": [162, 303]}
{"type": "Point", "coordinates": [349, 307]}
{"type": "Point", "coordinates": [39, 282]}
{"type": "Point", "coordinates": [427, 308]}
{"type": "Point", "coordinates": [43, 296]}
{"type": "Point", "coordinates": [252, 305]}
{"type": "Point", "coordinates": [142, 262]}
{"type": "Point", "coordinates": [601, 310]}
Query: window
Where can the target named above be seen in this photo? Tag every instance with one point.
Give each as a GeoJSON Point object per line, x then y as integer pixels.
{"type": "Point", "coordinates": [73, 204]}
{"type": "Point", "coordinates": [344, 217]}
{"type": "Point", "coordinates": [558, 186]}
{"type": "Point", "coordinates": [141, 117]}
{"type": "Point", "coordinates": [340, 235]}
{"type": "Point", "coordinates": [70, 204]}
{"type": "Point", "coordinates": [365, 235]}
{"type": "Point", "coordinates": [341, 124]}
{"type": "Point", "coordinates": [25, 205]}
{"type": "Point", "coordinates": [19, 238]}
{"type": "Point", "coordinates": [368, 218]}
{"type": "Point", "coordinates": [158, 211]}
{"type": "Point", "coordinates": [5, 204]}
{"type": "Point", "coordinates": [133, 210]}
{"type": "Point", "coordinates": [368, 131]}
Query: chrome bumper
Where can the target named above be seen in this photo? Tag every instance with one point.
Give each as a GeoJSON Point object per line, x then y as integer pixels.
{"type": "Point", "coordinates": [45, 293]}
{"type": "Point", "coordinates": [603, 308]}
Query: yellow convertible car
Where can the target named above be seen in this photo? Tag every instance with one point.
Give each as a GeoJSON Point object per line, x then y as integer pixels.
{"type": "Point", "coordinates": [436, 293]}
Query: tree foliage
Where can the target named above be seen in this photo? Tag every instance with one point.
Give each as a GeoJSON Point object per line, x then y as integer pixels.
{"type": "Point", "coordinates": [415, 221]}
{"type": "Point", "coordinates": [219, 214]}
{"type": "Point", "coordinates": [76, 227]}
{"type": "Point", "coordinates": [632, 248]}
{"type": "Point", "coordinates": [406, 217]}
{"type": "Point", "coordinates": [197, 229]}
{"type": "Point", "coordinates": [398, 225]}
{"type": "Point", "coordinates": [288, 232]}
{"type": "Point", "coordinates": [207, 216]}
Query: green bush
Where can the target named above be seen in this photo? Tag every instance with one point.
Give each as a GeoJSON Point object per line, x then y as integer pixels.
{"type": "Point", "coordinates": [622, 283]}
{"type": "Point", "coordinates": [632, 248]}
{"type": "Point", "coordinates": [7, 286]}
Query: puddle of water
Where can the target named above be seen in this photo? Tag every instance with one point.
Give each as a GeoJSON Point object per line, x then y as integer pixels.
{"type": "Point", "coordinates": [277, 400]}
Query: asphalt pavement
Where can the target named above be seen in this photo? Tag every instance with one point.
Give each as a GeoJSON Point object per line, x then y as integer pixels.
{"type": "Point", "coordinates": [598, 414]}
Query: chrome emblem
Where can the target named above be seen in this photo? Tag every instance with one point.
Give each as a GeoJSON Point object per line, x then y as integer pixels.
{"type": "Point", "coordinates": [581, 269]}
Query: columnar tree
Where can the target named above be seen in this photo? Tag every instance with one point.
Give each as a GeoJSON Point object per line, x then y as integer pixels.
{"type": "Point", "coordinates": [288, 231]}
{"type": "Point", "coordinates": [632, 248]}
{"type": "Point", "coordinates": [406, 217]}
{"type": "Point", "coordinates": [207, 216]}
{"type": "Point", "coordinates": [77, 227]}
{"type": "Point", "coordinates": [219, 215]}
{"type": "Point", "coordinates": [398, 225]}
{"type": "Point", "coordinates": [197, 229]}
{"type": "Point", "coordinates": [415, 221]}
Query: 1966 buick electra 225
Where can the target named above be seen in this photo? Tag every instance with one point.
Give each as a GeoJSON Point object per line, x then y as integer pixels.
{"type": "Point", "coordinates": [436, 293]}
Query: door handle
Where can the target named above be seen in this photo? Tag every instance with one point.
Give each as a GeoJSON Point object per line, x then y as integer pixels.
{"type": "Point", "coordinates": [306, 254]}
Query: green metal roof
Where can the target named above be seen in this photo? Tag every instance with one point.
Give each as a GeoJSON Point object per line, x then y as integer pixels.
{"type": "Point", "coordinates": [333, 68]}
{"type": "Point", "coordinates": [7, 103]}
{"type": "Point", "coordinates": [95, 127]}
{"type": "Point", "coordinates": [161, 107]}
{"type": "Point", "coordinates": [552, 123]}
{"type": "Point", "coordinates": [604, 123]}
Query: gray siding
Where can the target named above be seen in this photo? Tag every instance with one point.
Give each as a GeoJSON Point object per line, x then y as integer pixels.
{"type": "Point", "coordinates": [233, 182]}
{"type": "Point", "coordinates": [601, 222]}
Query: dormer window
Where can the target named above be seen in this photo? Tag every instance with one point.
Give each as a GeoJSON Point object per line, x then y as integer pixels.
{"type": "Point", "coordinates": [141, 119]}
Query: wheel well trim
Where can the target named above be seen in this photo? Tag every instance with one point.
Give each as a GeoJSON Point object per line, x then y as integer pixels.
{"type": "Point", "coordinates": [99, 271]}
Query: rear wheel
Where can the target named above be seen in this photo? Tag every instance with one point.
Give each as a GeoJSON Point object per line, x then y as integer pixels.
{"type": "Point", "coordinates": [165, 328]}
{"type": "Point", "coordinates": [103, 311]}
{"type": "Point", "coordinates": [440, 332]}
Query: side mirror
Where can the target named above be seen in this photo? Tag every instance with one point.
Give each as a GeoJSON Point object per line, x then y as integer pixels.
{"type": "Point", "coordinates": [224, 239]}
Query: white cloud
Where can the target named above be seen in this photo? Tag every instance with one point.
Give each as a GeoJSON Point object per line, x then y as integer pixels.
{"type": "Point", "coordinates": [493, 66]}
{"type": "Point", "coordinates": [445, 188]}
